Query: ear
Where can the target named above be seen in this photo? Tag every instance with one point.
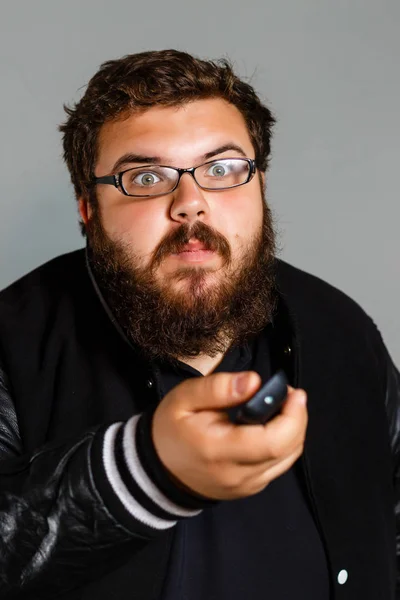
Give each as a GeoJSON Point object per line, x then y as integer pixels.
{"type": "Point", "coordinates": [263, 179]}
{"type": "Point", "coordinates": [84, 209]}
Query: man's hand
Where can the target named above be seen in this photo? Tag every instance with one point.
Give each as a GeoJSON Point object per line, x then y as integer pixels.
{"type": "Point", "coordinates": [211, 456]}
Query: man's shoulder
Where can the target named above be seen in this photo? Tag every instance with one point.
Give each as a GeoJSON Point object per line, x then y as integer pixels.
{"type": "Point", "coordinates": [317, 297]}
{"type": "Point", "coordinates": [49, 280]}
{"type": "Point", "coordinates": [295, 278]}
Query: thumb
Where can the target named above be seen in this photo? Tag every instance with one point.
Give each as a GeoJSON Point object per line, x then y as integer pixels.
{"type": "Point", "coordinates": [220, 390]}
{"type": "Point", "coordinates": [294, 406]}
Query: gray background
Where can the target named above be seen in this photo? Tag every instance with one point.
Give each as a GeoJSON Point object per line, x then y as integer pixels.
{"type": "Point", "coordinates": [329, 70]}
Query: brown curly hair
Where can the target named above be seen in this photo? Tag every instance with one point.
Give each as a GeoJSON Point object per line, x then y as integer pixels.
{"type": "Point", "coordinates": [137, 82]}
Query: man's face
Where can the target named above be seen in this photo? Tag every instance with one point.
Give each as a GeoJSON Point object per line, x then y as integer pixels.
{"type": "Point", "coordinates": [145, 236]}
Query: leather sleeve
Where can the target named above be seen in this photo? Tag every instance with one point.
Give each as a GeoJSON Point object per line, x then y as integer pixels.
{"type": "Point", "coordinates": [391, 386]}
{"type": "Point", "coordinates": [49, 506]}
{"type": "Point", "coordinates": [10, 443]}
{"type": "Point", "coordinates": [393, 412]}
{"type": "Point", "coordinates": [74, 511]}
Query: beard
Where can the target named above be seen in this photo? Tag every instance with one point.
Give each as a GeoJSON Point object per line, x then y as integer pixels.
{"type": "Point", "coordinates": [209, 312]}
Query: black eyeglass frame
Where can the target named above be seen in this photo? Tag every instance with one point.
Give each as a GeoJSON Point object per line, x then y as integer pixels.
{"type": "Point", "coordinates": [116, 180]}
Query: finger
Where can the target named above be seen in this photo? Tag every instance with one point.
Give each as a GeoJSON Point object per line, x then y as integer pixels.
{"type": "Point", "coordinates": [261, 477]}
{"type": "Point", "coordinates": [216, 391]}
{"type": "Point", "coordinates": [292, 421]}
{"type": "Point", "coordinates": [252, 444]}
{"type": "Point", "coordinates": [277, 469]}
{"type": "Point", "coordinates": [249, 480]}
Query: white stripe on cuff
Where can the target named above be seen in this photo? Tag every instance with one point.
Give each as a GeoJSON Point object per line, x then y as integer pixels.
{"type": "Point", "coordinates": [111, 469]}
{"type": "Point", "coordinates": [142, 479]}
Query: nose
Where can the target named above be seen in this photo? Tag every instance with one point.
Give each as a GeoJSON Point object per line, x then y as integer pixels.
{"type": "Point", "coordinates": [189, 203]}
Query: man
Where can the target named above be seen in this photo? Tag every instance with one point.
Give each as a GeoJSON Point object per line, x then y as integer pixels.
{"type": "Point", "coordinates": [121, 474]}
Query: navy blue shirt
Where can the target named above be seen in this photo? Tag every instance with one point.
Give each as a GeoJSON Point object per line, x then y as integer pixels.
{"type": "Point", "coordinates": [265, 546]}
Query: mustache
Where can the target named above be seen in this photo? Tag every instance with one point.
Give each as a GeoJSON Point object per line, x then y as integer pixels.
{"type": "Point", "coordinates": [175, 241]}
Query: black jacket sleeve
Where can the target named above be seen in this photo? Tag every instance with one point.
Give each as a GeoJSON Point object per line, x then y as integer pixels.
{"type": "Point", "coordinates": [393, 412]}
{"type": "Point", "coordinates": [391, 386]}
{"type": "Point", "coordinates": [73, 511]}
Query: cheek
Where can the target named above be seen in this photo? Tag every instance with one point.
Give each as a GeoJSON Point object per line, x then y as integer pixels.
{"type": "Point", "coordinates": [242, 218]}
{"type": "Point", "coordinates": [137, 226]}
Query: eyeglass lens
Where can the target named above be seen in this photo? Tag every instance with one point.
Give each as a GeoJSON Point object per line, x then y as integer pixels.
{"type": "Point", "coordinates": [154, 180]}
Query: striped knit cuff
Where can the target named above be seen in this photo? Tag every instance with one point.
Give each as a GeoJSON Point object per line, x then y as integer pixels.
{"type": "Point", "coordinates": [126, 487]}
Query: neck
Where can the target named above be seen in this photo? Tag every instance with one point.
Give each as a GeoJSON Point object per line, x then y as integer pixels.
{"type": "Point", "coordinates": [204, 364]}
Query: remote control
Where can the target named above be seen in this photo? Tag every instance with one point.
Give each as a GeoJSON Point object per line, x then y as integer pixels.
{"type": "Point", "coordinates": [264, 404]}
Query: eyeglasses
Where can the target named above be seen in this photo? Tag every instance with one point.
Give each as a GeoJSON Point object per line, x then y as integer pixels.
{"type": "Point", "coordinates": [156, 180]}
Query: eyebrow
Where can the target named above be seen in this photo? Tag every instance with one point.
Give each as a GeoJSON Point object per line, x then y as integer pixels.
{"type": "Point", "coordinates": [130, 158]}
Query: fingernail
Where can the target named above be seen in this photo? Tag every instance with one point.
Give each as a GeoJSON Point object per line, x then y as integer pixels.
{"type": "Point", "coordinates": [240, 384]}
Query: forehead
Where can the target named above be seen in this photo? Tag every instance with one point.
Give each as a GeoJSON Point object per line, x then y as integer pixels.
{"type": "Point", "coordinates": [179, 135]}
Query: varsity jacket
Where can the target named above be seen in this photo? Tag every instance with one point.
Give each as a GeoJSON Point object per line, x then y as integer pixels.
{"type": "Point", "coordinates": [82, 507]}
